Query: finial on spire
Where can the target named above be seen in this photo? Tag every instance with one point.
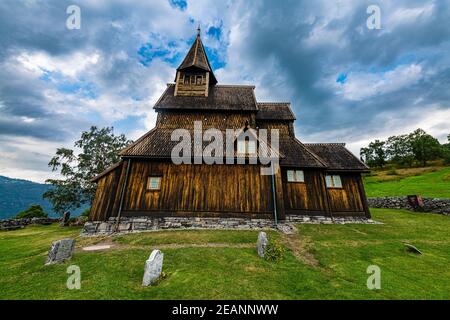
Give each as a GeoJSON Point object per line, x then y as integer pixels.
{"type": "Point", "coordinates": [198, 30]}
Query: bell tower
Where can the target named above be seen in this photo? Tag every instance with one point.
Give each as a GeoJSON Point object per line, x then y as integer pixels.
{"type": "Point", "coordinates": [195, 76]}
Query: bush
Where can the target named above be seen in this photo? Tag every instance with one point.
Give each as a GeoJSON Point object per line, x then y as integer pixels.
{"type": "Point", "coordinates": [274, 252]}
{"type": "Point", "coordinates": [86, 212]}
{"type": "Point", "coordinates": [35, 211]}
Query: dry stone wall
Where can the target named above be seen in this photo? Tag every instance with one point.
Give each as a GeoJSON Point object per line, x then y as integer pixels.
{"type": "Point", "coordinates": [435, 205]}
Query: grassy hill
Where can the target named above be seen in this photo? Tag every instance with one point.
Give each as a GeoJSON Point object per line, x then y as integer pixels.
{"type": "Point", "coordinates": [322, 262]}
{"type": "Point", "coordinates": [429, 182]}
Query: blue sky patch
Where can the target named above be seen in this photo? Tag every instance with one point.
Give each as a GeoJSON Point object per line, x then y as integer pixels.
{"type": "Point", "coordinates": [180, 4]}
{"type": "Point", "coordinates": [147, 53]}
{"type": "Point", "coordinates": [214, 32]}
{"type": "Point", "coordinates": [342, 78]}
{"type": "Point", "coordinates": [214, 58]}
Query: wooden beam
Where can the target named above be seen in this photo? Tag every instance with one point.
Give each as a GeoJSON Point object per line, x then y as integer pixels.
{"type": "Point", "coordinates": [363, 197]}
{"type": "Point", "coordinates": [281, 214]}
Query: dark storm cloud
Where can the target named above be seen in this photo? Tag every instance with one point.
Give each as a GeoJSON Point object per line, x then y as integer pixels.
{"type": "Point", "coordinates": [281, 30]}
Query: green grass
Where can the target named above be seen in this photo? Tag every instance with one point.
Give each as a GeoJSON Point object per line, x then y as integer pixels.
{"type": "Point", "coordinates": [329, 262]}
{"type": "Point", "coordinates": [434, 183]}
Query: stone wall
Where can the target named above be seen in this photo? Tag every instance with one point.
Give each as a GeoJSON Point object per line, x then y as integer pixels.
{"type": "Point", "coordinates": [435, 205]}
{"type": "Point", "coordinates": [11, 224]}
{"type": "Point", "coordinates": [141, 224]}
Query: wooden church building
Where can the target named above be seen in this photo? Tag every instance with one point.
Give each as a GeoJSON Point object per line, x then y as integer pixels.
{"type": "Point", "coordinates": [322, 179]}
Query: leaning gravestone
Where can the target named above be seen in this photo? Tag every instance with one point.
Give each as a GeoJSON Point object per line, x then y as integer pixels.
{"type": "Point", "coordinates": [262, 243]}
{"type": "Point", "coordinates": [153, 268]}
{"type": "Point", "coordinates": [60, 251]}
{"type": "Point", "coordinates": [65, 219]}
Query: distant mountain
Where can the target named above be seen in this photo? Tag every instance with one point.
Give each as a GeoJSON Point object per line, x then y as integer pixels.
{"type": "Point", "coordinates": [17, 195]}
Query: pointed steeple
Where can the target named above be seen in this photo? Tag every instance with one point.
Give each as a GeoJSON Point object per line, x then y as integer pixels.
{"type": "Point", "coordinates": [196, 59]}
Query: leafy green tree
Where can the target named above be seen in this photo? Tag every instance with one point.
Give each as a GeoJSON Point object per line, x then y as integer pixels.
{"type": "Point", "coordinates": [374, 155]}
{"type": "Point", "coordinates": [424, 146]}
{"type": "Point", "coordinates": [446, 151]}
{"type": "Point", "coordinates": [34, 211]}
{"type": "Point", "coordinates": [98, 149]}
{"type": "Point", "coordinates": [399, 150]}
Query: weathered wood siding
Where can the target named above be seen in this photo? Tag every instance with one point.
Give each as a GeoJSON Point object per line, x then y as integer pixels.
{"type": "Point", "coordinates": [107, 196]}
{"type": "Point", "coordinates": [308, 197]}
{"type": "Point", "coordinates": [222, 121]}
{"type": "Point", "coordinates": [194, 88]}
{"type": "Point", "coordinates": [199, 190]}
{"type": "Point", "coordinates": [349, 198]}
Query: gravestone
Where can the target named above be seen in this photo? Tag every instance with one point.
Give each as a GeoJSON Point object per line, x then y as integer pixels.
{"type": "Point", "coordinates": [65, 219]}
{"type": "Point", "coordinates": [60, 251]}
{"type": "Point", "coordinates": [261, 244]}
{"type": "Point", "coordinates": [153, 268]}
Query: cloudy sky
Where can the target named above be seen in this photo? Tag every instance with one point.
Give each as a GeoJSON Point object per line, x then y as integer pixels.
{"type": "Point", "coordinates": [347, 83]}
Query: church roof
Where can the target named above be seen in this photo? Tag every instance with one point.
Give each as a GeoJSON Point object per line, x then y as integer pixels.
{"type": "Point", "coordinates": [275, 111]}
{"type": "Point", "coordinates": [336, 156]}
{"type": "Point", "coordinates": [220, 97]}
{"type": "Point", "coordinates": [157, 144]}
{"type": "Point", "coordinates": [197, 58]}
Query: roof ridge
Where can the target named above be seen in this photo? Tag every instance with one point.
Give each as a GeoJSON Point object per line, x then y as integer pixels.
{"type": "Point", "coordinates": [171, 84]}
{"type": "Point", "coordinates": [324, 143]}
{"type": "Point", "coordinates": [266, 102]}
{"type": "Point", "coordinates": [235, 85]}
{"type": "Point", "coordinates": [315, 156]}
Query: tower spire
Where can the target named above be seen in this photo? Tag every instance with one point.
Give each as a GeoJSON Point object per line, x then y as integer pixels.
{"type": "Point", "coordinates": [198, 30]}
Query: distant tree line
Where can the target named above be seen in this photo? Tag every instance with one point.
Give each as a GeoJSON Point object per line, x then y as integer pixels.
{"type": "Point", "coordinates": [415, 148]}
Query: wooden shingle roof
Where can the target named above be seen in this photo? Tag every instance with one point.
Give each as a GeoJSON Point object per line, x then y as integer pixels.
{"type": "Point", "coordinates": [275, 111]}
{"type": "Point", "coordinates": [337, 157]}
{"type": "Point", "coordinates": [220, 97]}
{"type": "Point", "coordinates": [157, 144]}
{"type": "Point", "coordinates": [197, 58]}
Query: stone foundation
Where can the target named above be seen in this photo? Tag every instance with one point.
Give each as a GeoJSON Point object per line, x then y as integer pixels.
{"type": "Point", "coordinates": [145, 224]}
{"type": "Point", "coordinates": [434, 205]}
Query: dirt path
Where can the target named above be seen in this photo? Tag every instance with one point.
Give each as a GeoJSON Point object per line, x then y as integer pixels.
{"type": "Point", "coordinates": [299, 247]}
{"type": "Point", "coordinates": [118, 246]}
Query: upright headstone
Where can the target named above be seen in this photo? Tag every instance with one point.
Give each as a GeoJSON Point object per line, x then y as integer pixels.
{"type": "Point", "coordinates": [60, 251]}
{"type": "Point", "coordinates": [153, 268]}
{"type": "Point", "coordinates": [262, 243]}
{"type": "Point", "coordinates": [65, 219]}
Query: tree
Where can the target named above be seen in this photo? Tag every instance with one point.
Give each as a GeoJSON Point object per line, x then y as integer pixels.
{"type": "Point", "coordinates": [374, 155]}
{"type": "Point", "coordinates": [99, 149]}
{"type": "Point", "coordinates": [399, 150]}
{"type": "Point", "coordinates": [424, 146]}
{"type": "Point", "coordinates": [34, 211]}
{"type": "Point", "coordinates": [446, 151]}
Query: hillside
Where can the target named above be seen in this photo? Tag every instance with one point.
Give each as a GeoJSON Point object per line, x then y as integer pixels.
{"type": "Point", "coordinates": [17, 195]}
{"type": "Point", "coordinates": [431, 182]}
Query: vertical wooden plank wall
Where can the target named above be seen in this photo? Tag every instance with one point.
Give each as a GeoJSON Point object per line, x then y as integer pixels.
{"type": "Point", "coordinates": [199, 190]}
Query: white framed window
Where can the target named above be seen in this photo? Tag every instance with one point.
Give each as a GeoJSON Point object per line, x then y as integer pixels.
{"type": "Point", "coordinates": [333, 181]}
{"type": "Point", "coordinates": [154, 183]}
{"type": "Point", "coordinates": [295, 176]}
{"type": "Point", "coordinates": [246, 147]}
{"type": "Point", "coordinates": [251, 147]}
{"type": "Point", "coordinates": [241, 146]}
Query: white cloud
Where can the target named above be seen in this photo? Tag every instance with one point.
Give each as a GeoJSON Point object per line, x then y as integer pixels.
{"type": "Point", "coordinates": [69, 65]}
{"type": "Point", "coordinates": [405, 16]}
{"type": "Point", "coordinates": [363, 85]}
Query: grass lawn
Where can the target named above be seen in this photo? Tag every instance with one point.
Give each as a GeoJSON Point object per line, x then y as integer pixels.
{"type": "Point", "coordinates": [322, 262]}
{"type": "Point", "coordinates": [429, 182]}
